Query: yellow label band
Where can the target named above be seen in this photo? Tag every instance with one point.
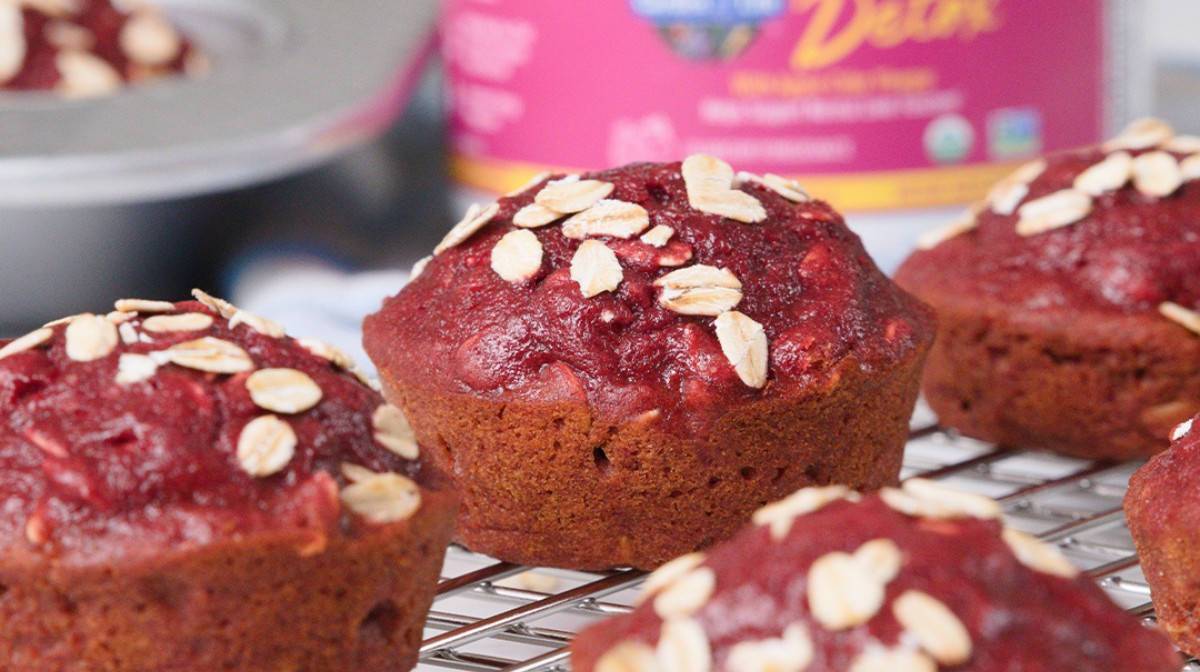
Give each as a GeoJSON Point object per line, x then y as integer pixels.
{"type": "Point", "coordinates": [887, 190]}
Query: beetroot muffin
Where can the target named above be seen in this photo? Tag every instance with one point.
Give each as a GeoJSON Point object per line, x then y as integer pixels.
{"type": "Point", "coordinates": [1163, 510]}
{"type": "Point", "coordinates": [86, 48]}
{"type": "Point", "coordinates": [917, 579]}
{"type": "Point", "coordinates": [1066, 301]}
{"type": "Point", "coordinates": [187, 489]}
{"type": "Point", "coordinates": [619, 367]}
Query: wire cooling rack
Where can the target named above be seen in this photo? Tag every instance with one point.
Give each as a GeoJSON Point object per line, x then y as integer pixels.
{"type": "Point", "coordinates": [494, 616]}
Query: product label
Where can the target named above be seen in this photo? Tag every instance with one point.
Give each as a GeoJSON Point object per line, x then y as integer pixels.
{"type": "Point", "coordinates": [869, 103]}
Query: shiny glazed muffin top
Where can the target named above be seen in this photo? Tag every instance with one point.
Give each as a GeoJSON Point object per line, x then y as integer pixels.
{"type": "Point", "coordinates": [1113, 228]}
{"type": "Point", "coordinates": [652, 288]}
{"type": "Point", "coordinates": [920, 578]}
{"type": "Point", "coordinates": [184, 424]}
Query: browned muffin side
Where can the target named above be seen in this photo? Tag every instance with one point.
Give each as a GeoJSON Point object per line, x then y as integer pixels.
{"type": "Point", "coordinates": [618, 367]}
{"type": "Point", "coordinates": [189, 489]}
{"type": "Point", "coordinates": [1162, 508]}
{"type": "Point", "coordinates": [917, 579]}
{"type": "Point", "coordinates": [1066, 301]}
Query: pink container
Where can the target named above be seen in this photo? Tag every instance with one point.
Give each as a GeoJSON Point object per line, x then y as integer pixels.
{"type": "Point", "coordinates": [871, 104]}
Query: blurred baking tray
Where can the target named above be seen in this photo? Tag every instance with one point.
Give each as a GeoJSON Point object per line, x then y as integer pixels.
{"type": "Point", "coordinates": [292, 83]}
{"type": "Point", "coordinates": [119, 196]}
{"type": "Point", "coordinates": [491, 616]}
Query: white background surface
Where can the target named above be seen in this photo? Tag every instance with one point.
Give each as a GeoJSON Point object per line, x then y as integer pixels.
{"type": "Point", "coordinates": [1173, 27]}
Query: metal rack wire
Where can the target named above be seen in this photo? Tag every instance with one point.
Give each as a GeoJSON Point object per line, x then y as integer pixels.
{"type": "Point", "coordinates": [493, 616]}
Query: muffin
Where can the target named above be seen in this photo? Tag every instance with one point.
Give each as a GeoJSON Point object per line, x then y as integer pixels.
{"type": "Point", "coordinates": [1162, 507]}
{"type": "Point", "coordinates": [916, 579]}
{"type": "Point", "coordinates": [186, 488]}
{"type": "Point", "coordinates": [619, 367]}
{"type": "Point", "coordinates": [84, 48]}
{"type": "Point", "coordinates": [1066, 301]}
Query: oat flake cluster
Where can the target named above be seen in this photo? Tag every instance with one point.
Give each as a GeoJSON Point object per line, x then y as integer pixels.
{"type": "Point", "coordinates": [695, 289]}
{"type": "Point", "coordinates": [844, 590]}
{"type": "Point", "coordinates": [267, 443]}
{"type": "Point", "coordinates": [149, 43]}
{"type": "Point", "coordinates": [1154, 173]}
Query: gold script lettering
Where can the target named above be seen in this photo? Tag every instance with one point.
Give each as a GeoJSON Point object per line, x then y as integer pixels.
{"type": "Point", "coordinates": [838, 28]}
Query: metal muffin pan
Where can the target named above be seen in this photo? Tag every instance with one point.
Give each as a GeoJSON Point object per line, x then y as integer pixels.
{"type": "Point", "coordinates": [292, 83]}
{"type": "Point", "coordinates": [104, 196]}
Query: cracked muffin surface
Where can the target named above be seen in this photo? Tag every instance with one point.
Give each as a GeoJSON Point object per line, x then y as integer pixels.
{"type": "Point", "coordinates": [1066, 301]}
{"type": "Point", "coordinates": [188, 488]}
{"type": "Point", "coordinates": [919, 578]}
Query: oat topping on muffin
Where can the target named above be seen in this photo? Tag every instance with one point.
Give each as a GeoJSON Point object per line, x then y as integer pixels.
{"type": "Point", "coordinates": [1068, 300]}
{"type": "Point", "coordinates": [1157, 171]}
{"type": "Point", "coordinates": [692, 290]}
{"type": "Point", "coordinates": [207, 493]}
{"type": "Point", "coordinates": [147, 345]}
{"type": "Point", "coordinates": [89, 48]}
{"type": "Point", "coordinates": [618, 367]}
{"type": "Point", "coordinates": [585, 211]}
{"type": "Point", "coordinates": [854, 584]}
{"type": "Point", "coordinates": [1163, 163]}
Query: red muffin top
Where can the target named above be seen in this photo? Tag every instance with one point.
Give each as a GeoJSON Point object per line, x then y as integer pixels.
{"type": "Point", "coordinates": [1112, 228]}
{"type": "Point", "coordinates": [185, 424]}
{"type": "Point", "coordinates": [676, 288]}
{"type": "Point", "coordinates": [916, 579]}
{"type": "Point", "coordinates": [87, 47]}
